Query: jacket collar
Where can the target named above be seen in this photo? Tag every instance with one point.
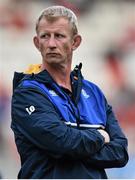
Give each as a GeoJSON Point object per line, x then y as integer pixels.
{"type": "Point", "coordinates": [45, 78]}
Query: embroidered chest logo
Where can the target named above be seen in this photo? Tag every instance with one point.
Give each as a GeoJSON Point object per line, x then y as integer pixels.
{"type": "Point", "coordinates": [53, 93]}
{"type": "Point", "coordinates": [30, 110]}
{"type": "Point", "coordinates": [85, 94]}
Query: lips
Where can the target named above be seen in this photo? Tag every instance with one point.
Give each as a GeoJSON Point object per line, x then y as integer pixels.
{"type": "Point", "coordinates": [53, 54]}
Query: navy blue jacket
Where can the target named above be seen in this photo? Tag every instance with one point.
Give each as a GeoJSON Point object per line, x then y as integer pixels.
{"type": "Point", "coordinates": [56, 131]}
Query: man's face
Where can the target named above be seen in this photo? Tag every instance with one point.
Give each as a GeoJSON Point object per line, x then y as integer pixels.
{"type": "Point", "coordinates": [55, 41]}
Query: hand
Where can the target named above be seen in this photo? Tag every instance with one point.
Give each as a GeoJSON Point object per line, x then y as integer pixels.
{"type": "Point", "coordinates": [105, 135]}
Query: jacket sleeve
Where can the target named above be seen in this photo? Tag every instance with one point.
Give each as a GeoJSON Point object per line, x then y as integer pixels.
{"type": "Point", "coordinates": [35, 117]}
{"type": "Point", "coordinates": [114, 153]}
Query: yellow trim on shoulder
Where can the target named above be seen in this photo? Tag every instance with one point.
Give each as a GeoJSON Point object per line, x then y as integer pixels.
{"type": "Point", "coordinates": [33, 68]}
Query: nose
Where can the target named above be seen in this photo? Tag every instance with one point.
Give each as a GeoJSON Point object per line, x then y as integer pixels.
{"type": "Point", "coordinates": [52, 42]}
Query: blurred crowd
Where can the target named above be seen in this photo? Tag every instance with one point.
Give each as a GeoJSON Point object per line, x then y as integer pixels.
{"type": "Point", "coordinates": [107, 52]}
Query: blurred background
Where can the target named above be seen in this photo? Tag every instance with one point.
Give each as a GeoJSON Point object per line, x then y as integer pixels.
{"type": "Point", "coordinates": [107, 53]}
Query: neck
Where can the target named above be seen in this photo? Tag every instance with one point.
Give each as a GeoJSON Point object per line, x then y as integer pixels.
{"type": "Point", "coordinates": [61, 74]}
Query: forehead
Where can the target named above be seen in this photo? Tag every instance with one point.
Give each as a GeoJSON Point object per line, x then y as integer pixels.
{"type": "Point", "coordinates": [57, 23]}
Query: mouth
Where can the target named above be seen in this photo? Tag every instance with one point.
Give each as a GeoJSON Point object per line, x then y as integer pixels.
{"type": "Point", "coordinates": [53, 54]}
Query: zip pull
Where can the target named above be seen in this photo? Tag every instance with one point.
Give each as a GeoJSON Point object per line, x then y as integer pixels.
{"type": "Point", "coordinates": [80, 66]}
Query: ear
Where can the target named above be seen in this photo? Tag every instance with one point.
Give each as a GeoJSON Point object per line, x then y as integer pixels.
{"type": "Point", "coordinates": [77, 39]}
{"type": "Point", "coordinates": [36, 42]}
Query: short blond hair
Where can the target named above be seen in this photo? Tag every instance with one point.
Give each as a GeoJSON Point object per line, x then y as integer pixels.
{"type": "Point", "coordinates": [53, 12]}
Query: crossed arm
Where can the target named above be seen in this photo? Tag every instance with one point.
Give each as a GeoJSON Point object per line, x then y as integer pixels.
{"type": "Point", "coordinates": [45, 129]}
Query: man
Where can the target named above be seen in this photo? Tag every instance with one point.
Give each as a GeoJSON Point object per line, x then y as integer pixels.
{"type": "Point", "coordinates": [63, 125]}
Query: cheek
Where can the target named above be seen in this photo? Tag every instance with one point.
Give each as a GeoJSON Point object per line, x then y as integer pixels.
{"type": "Point", "coordinates": [42, 46]}
{"type": "Point", "coordinates": [67, 48]}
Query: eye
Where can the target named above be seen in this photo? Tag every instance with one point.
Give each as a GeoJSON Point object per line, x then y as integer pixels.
{"type": "Point", "coordinates": [59, 36]}
{"type": "Point", "coordinates": [44, 36]}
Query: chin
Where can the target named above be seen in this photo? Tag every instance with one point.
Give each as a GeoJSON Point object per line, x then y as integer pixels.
{"type": "Point", "coordinates": [54, 61]}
